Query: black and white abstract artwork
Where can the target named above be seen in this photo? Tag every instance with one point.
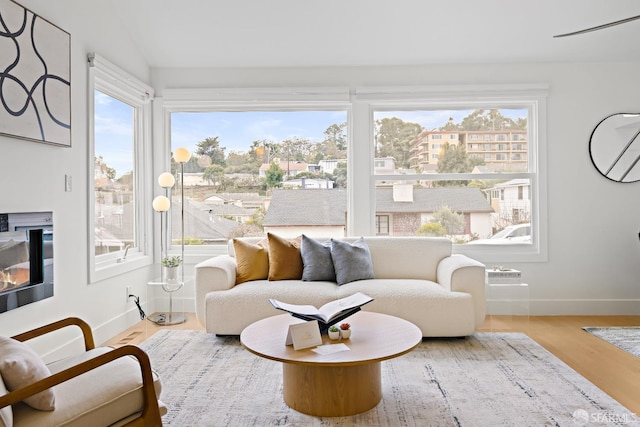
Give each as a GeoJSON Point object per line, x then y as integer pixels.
{"type": "Point", "coordinates": [35, 77]}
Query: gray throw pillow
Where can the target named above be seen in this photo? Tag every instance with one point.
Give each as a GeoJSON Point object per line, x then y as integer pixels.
{"type": "Point", "coordinates": [316, 260]}
{"type": "Point", "coordinates": [351, 261]}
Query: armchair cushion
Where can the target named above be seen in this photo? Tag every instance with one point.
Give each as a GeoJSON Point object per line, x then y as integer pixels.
{"type": "Point", "coordinates": [21, 366]}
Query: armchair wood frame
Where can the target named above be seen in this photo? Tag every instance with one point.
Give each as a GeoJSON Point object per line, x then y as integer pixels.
{"type": "Point", "coordinates": [150, 415]}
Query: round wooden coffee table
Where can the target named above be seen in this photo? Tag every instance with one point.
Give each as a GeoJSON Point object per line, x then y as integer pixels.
{"type": "Point", "coordinates": [338, 384]}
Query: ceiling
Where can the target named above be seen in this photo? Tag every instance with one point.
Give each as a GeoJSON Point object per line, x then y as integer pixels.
{"type": "Point", "coordinates": [311, 33]}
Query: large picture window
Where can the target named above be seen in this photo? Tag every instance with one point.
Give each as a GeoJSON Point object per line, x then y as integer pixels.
{"type": "Point", "coordinates": [394, 162]}
{"type": "Point", "coordinates": [261, 161]}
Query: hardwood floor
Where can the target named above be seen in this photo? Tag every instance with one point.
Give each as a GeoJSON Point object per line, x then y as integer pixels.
{"type": "Point", "coordinates": [614, 371]}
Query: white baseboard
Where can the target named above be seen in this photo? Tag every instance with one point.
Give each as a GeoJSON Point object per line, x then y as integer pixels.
{"type": "Point", "coordinates": [579, 307]}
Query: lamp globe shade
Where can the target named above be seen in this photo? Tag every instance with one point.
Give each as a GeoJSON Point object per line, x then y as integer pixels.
{"type": "Point", "coordinates": [166, 180]}
{"type": "Point", "coordinates": [181, 155]}
{"type": "Point", "coordinates": [161, 204]}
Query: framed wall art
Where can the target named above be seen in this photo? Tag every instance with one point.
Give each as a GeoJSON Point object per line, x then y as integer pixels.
{"type": "Point", "coordinates": [35, 77]}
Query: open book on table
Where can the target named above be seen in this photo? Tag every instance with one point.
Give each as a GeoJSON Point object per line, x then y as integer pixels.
{"type": "Point", "coordinates": [330, 313]}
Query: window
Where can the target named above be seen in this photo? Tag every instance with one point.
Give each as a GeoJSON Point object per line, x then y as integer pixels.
{"type": "Point", "coordinates": [437, 137]}
{"type": "Point", "coordinates": [382, 225]}
{"type": "Point", "coordinates": [120, 128]}
{"type": "Point", "coordinates": [385, 132]}
{"type": "Point", "coordinates": [454, 198]}
{"type": "Point", "coordinates": [278, 167]}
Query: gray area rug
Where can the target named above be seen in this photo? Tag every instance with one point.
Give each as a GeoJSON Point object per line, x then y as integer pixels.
{"type": "Point", "coordinates": [624, 337]}
{"type": "Point", "coordinates": [489, 379]}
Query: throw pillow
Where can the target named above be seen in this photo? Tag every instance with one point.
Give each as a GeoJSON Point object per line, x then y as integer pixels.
{"type": "Point", "coordinates": [285, 261]}
{"type": "Point", "coordinates": [252, 261]}
{"type": "Point", "coordinates": [316, 260]}
{"type": "Point", "coordinates": [351, 261]}
{"type": "Point", "coordinates": [21, 366]}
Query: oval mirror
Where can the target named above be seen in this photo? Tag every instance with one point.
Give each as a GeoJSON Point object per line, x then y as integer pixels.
{"type": "Point", "coordinates": [614, 147]}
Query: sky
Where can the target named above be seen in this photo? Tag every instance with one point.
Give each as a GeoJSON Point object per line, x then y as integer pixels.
{"type": "Point", "coordinates": [237, 130]}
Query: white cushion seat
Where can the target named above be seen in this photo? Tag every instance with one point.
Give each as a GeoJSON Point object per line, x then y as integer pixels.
{"type": "Point", "coordinates": [102, 396]}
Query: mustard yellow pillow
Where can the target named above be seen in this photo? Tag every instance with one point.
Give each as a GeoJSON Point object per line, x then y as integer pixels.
{"type": "Point", "coordinates": [252, 261]}
{"type": "Point", "coordinates": [285, 261]}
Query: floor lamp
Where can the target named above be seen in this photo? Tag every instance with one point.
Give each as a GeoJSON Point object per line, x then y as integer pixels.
{"type": "Point", "coordinates": [182, 155]}
{"type": "Point", "coordinates": [162, 204]}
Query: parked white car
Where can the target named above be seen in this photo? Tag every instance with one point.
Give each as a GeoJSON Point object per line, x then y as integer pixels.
{"type": "Point", "coordinates": [519, 233]}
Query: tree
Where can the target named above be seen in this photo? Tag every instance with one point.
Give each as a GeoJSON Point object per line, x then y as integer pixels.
{"type": "Point", "coordinates": [452, 221]}
{"type": "Point", "coordinates": [334, 145]}
{"type": "Point", "coordinates": [237, 158]}
{"type": "Point", "coordinates": [489, 120]}
{"type": "Point", "coordinates": [453, 158]}
{"type": "Point", "coordinates": [263, 151]}
{"type": "Point", "coordinates": [340, 175]}
{"type": "Point", "coordinates": [433, 229]}
{"type": "Point", "coordinates": [211, 147]}
{"type": "Point", "coordinates": [393, 139]}
{"type": "Point", "coordinates": [213, 174]}
{"type": "Point", "coordinates": [274, 176]}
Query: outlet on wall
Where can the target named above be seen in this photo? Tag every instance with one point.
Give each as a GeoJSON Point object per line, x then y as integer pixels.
{"type": "Point", "coordinates": [129, 291]}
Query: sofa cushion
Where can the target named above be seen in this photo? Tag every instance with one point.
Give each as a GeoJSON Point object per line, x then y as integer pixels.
{"type": "Point", "coordinates": [285, 261]}
{"type": "Point", "coordinates": [21, 366]}
{"type": "Point", "coordinates": [6, 413]}
{"type": "Point", "coordinates": [317, 264]}
{"type": "Point", "coordinates": [252, 260]}
{"type": "Point", "coordinates": [352, 261]}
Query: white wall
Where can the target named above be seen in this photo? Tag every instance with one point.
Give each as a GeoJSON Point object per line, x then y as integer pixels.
{"type": "Point", "coordinates": [32, 179]}
{"type": "Point", "coordinates": [594, 252]}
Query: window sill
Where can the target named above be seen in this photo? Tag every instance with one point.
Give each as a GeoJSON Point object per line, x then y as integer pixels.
{"type": "Point", "coordinates": [108, 269]}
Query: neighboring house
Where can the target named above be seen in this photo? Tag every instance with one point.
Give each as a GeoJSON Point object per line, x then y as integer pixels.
{"type": "Point", "coordinates": [511, 201]}
{"type": "Point", "coordinates": [313, 212]}
{"type": "Point", "coordinates": [289, 168]}
{"type": "Point", "coordinates": [399, 210]}
{"type": "Point", "coordinates": [330, 165]}
{"type": "Point", "coordinates": [404, 209]}
{"type": "Point", "coordinates": [311, 183]}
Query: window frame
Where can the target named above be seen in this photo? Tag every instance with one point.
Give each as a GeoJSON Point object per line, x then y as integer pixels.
{"type": "Point", "coordinates": [237, 99]}
{"type": "Point", "coordinates": [530, 96]}
{"type": "Point", "coordinates": [117, 83]}
{"type": "Point", "coordinates": [360, 104]}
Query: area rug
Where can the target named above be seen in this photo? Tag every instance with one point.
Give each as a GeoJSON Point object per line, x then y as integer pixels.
{"type": "Point", "coordinates": [488, 379]}
{"type": "Point", "coordinates": [624, 337]}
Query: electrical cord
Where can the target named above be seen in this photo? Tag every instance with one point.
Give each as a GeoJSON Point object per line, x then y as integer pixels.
{"type": "Point", "coordinates": [136, 299]}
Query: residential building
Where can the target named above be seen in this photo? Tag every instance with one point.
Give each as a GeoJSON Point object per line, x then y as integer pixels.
{"type": "Point", "coordinates": [400, 211]}
{"type": "Point", "coordinates": [501, 150]}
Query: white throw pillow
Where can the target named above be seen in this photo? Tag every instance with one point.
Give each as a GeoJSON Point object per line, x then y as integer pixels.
{"type": "Point", "coordinates": [21, 366]}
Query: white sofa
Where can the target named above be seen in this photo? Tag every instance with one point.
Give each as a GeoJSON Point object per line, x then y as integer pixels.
{"type": "Point", "coordinates": [416, 278]}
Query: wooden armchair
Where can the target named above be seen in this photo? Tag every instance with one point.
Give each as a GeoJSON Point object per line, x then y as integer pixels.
{"type": "Point", "coordinates": [102, 386]}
